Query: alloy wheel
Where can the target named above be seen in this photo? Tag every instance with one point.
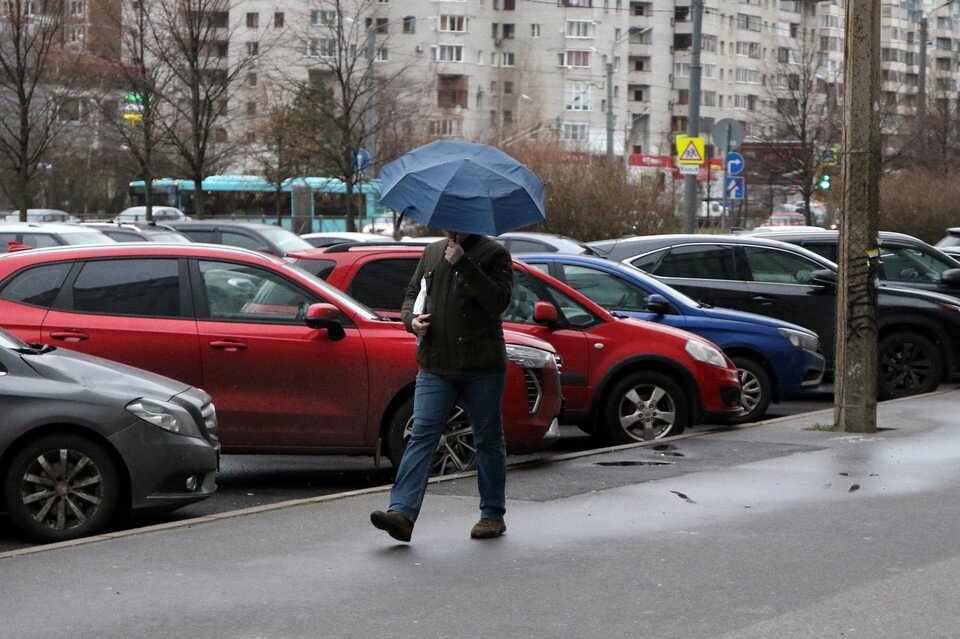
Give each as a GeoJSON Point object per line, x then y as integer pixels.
{"type": "Point", "coordinates": [905, 368]}
{"type": "Point", "coordinates": [647, 411]}
{"type": "Point", "coordinates": [751, 391]}
{"type": "Point", "coordinates": [456, 452]}
{"type": "Point", "coordinates": [61, 489]}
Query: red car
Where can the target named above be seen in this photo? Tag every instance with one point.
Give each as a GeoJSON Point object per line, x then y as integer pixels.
{"type": "Point", "coordinates": [293, 364]}
{"type": "Point", "coordinates": [625, 379]}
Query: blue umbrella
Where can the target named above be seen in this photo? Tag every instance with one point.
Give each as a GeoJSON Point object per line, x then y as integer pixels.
{"type": "Point", "coordinates": [465, 187]}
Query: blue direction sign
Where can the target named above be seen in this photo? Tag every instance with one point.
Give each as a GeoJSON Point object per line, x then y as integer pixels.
{"type": "Point", "coordinates": [734, 187]}
{"type": "Point", "coordinates": [361, 160]}
{"type": "Point", "coordinates": [735, 163]}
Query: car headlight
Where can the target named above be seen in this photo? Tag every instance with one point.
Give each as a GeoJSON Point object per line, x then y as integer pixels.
{"type": "Point", "coordinates": [703, 352]}
{"type": "Point", "coordinates": [528, 356]}
{"type": "Point", "coordinates": [165, 415]}
{"type": "Point", "coordinates": [806, 341]}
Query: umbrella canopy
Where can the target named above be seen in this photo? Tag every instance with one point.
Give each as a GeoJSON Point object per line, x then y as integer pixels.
{"type": "Point", "coordinates": [465, 187]}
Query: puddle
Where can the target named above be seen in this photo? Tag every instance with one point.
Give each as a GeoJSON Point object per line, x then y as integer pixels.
{"type": "Point", "coordinates": [635, 463]}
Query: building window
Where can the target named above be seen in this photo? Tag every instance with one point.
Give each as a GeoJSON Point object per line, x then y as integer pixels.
{"type": "Point", "coordinates": [278, 19]}
{"type": "Point", "coordinates": [382, 54]}
{"type": "Point", "coordinates": [253, 20]}
{"type": "Point", "coordinates": [253, 48]}
{"type": "Point", "coordinates": [534, 30]}
{"type": "Point", "coordinates": [446, 128]}
{"type": "Point", "coordinates": [575, 59]}
{"type": "Point", "coordinates": [448, 53]}
{"type": "Point", "coordinates": [383, 25]}
{"type": "Point", "coordinates": [493, 87]}
{"type": "Point", "coordinates": [574, 131]}
{"type": "Point", "coordinates": [409, 24]}
{"type": "Point", "coordinates": [220, 134]}
{"type": "Point", "coordinates": [251, 108]}
{"type": "Point", "coordinates": [76, 7]}
{"type": "Point", "coordinates": [748, 22]}
{"type": "Point", "coordinates": [681, 69]}
{"type": "Point", "coordinates": [748, 49]}
{"type": "Point", "coordinates": [251, 79]}
{"type": "Point", "coordinates": [322, 48]}
{"type": "Point", "coordinates": [455, 24]}
{"type": "Point", "coordinates": [577, 96]}
{"type": "Point", "coordinates": [509, 31]}
{"type": "Point", "coordinates": [579, 28]}
{"type": "Point", "coordinates": [508, 117]}
{"type": "Point", "coordinates": [326, 18]}
{"type": "Point", "coordinates": [747, 76]}
{"type": "Point", "coordinates": [508, 59]}
{"type": "Point", "coordinates": [251, 137]}
{"type": "Point", "coordinates": [509, 5]}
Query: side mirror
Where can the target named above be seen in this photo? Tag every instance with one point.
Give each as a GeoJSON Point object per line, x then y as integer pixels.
{"type": "Point", "coordinates": [326, 316]}
{"type": "Point", "coordinates": [824, 277]}
{"type": "Point", "coordinates": [658, 304]}
{"type": "Point", "coordinates": [950, 277]}
{"type": "Point", "coordinates": [545, 313]}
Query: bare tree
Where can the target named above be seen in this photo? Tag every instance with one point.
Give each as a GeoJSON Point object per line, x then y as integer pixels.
{"type": "Point", "coordinates": [189, 41]}
{"type": "Point", "coordinates": [799, 112]}
{"type": "Point", "coordinates": [357, 95]}
{"type": "Point", "coordinates": [38, 80]}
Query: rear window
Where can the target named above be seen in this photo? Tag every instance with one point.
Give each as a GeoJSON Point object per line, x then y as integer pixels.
{"type": "Point", "coordinates": [37, 286]}
{"type": "Point", "coordinates": [137, 287]}
{"type": "Point", "coordinates": [83, 238]}
{"type": "Point", "coordinates": [701, 261]}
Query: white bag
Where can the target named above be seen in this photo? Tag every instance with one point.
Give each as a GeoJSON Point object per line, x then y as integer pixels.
{"type": "Point", "coordinates": [420, 304]}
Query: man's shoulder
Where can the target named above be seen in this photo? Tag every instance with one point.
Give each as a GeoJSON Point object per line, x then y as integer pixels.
{"type": "Point", "coordinates": [490, 247]}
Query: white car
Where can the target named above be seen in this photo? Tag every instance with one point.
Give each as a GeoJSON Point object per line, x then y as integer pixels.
{"type": "Point", "coordinates": [160, 214]}
{"type": "Point", "coordinates": [43, 215]}
{"type": "Point", "coordinates": [18, 237]}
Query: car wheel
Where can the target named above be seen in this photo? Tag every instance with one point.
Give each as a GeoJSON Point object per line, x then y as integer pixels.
{"type": "Point", "coordinates": [908, 364]}
{"type": "Point", "coordinates": [644, 406]}
{"type": "Point", "coordinates": [456, 452]}
{"type": "Point", "coordinates": [756, 391]}
{"type": "Point", "coordinates": [61, 487]}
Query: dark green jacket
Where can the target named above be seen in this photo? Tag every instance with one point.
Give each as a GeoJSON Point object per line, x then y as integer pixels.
{"type": "Point", "coordinates": [465, 301]}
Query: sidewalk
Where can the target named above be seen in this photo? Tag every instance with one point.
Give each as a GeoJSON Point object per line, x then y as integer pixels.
{"type": "Point", "coordinates": [765, 531]}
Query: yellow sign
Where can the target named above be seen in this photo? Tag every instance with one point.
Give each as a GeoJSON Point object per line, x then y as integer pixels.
{"type": "Point", "coordinates": [136, 117]}
{"type": "Point", "coordinates": [690, 150]}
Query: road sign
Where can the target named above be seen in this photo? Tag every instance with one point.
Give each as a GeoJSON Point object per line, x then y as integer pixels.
{"type": "Point", "coordinates": [689, 169]}
{"type": "Point", "coordinates": [829, 156]}
{"type": "Point", "coordinates": [727, 129]}
{"type": "Point", "coordinates": [733, 189]}
{"type": "Point", "coordinates": [361, 160]}
{"type": "Point", "coordinates": [690, 150]}
{"type": "Point", "coordinates": [734, 163]}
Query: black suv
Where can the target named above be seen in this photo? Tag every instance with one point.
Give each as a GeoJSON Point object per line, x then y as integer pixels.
{"type": "Point", "coordinates": [918, 330]}
{"type": "Point", "coordinates": [266, 238]}
{"type": "Point", "coordinates": [904, 260]}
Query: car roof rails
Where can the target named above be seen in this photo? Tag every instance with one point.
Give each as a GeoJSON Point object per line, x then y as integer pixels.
{"type": "Point", "coordinates": [344, 247]}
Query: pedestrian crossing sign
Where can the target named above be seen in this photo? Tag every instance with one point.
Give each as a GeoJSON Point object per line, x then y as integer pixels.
{"type": "Point", "coordinates": [690, 150]}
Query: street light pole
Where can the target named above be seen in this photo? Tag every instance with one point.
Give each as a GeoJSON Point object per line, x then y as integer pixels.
{"type": "Point", "coordinates": [922, 76]}
{"type": "Point", "coordinates": [693, 115]}
{"type": "Point", "coordinates": [610, 108]}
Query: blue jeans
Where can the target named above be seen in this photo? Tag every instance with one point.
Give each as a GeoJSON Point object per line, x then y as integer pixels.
{"type": "Point", "coordinates": [479, 394]}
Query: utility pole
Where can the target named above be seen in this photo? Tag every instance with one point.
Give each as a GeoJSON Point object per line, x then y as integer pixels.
{"type": "Point", "coordinates": [855, 387]}
{"type": "Point", "coordinates": [370, 111]}
{"type": "Point", "coordinates": [610, 108]}
{"type": "Point", "coordinates": [693, 115]}
{"type": "Point", "coordinates": [922, 80]}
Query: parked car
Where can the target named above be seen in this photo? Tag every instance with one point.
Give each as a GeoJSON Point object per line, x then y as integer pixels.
{"type": "Point", "coordinates": [623, 380]}
{"type": "Point", "coordinates": [139, 232]}
{"type": "Point", "coordinates": [293, 364]}
{"type": "Point", "coordinates": [39, 216]}
{"type": "Point", "coordinates": [23, 236]}
{"type": "Point", "coordinates": [329, 238]}
{"type": "Point", "coordinates": [905, 261]}
{"type": "Point", "coordinates": [83, 438]}
{"type": "Point", "coordinates": [918, 345]}
{"type": "Point", "coordinates": [775, 360]}
{"type": "Point", "coordinates": [952, 251]}
{"type": "Point", "coordinates": [522, 242]}
{"type": "Point", "coordinates": [951, 239]}
{"type": "Point", "coordinates": [160, 214]}
{"type": "Point", "coordinates": [266, 238]}
{"type": "Point", "coordinates": [785, 218]}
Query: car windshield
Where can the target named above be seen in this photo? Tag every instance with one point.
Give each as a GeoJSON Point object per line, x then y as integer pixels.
{"type": "Point", "coordinates": [331, 291]}
{"type": "Point", "coordinates": [9, 341]}
{"type": "Point", "coordinates": [86, 238]}
{"type": "Point", "coordinates": [655, 285]}
{"type": "Point", "coordinates": [174, 238]}
{"type": "Point", "coordinates": [285, 240]}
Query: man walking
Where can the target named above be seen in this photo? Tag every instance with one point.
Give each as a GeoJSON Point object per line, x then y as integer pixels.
{"type": "Point", "coordinates": [468, 280]}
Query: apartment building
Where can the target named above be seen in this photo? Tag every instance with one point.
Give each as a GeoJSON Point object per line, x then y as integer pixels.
{"type": "Point", "coordinates": [500, 70]}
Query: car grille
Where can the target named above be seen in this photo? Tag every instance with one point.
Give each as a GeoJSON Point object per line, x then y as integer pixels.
{"type": "Point", "coordinates": [209, 414]}
{"type": "Point", "coordinates": [534, 377]}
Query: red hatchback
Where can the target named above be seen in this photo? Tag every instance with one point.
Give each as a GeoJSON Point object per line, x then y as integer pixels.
{"type": "Point", "coordinates": [626, 379]}
{"type": "Point", "coordinates": [293, 364]}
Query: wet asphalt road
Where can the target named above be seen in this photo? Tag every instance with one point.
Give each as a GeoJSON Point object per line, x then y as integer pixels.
{"type": "Point", "coordinates": [256, 480]}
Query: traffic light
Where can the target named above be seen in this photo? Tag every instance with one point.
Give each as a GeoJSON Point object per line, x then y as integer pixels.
{"type": "Point", "coordinates": [824, 181]}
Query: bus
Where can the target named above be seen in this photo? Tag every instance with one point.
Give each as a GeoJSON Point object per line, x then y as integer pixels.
{"type": "Point", "coordinates": [252, 198]}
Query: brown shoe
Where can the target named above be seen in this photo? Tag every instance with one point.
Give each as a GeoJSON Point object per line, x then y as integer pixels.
{"type": "Point", "coordinates": [396, 525]}
{"type": "Point", "coordinates": [488, 529]}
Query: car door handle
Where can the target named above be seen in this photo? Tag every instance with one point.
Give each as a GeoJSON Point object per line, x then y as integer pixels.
{"type": "Point", "coordinates": [70, 336]}
{"type": "Point", "coordinates": [225, 345]}
{"type": "Point", "coordinates": [764, 300]}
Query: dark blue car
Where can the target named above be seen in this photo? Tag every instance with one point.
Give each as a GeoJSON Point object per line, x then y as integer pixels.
{"type": "Point", "coordinates": [777, 360]}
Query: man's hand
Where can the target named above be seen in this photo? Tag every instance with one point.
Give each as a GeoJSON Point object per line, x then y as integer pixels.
{"type": "Point", "coordinates": [420, 324]}
{"type": "Point", "coordinates": [453, 253]}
